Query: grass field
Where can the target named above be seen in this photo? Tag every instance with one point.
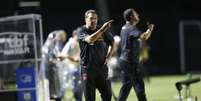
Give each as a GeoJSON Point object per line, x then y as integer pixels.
{"type": "Point", "coordinates": [160, 88]}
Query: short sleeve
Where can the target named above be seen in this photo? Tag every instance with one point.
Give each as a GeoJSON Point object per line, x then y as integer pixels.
{"type": "Point", "coordinates": [135, 33]}
{"type": "Point", "coordinates": [81, 33]}
{"type": "Point", "coordinates": [109, 38]}
{"type": "Point", "coordinates": [66, 48]}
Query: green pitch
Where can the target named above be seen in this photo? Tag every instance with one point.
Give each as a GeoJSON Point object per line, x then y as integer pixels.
{"type": "Point", "coordinates": [160, 88]}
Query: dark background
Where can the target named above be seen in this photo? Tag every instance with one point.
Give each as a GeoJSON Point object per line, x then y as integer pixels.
{"type": "Point", "coordinates": [165, 14]}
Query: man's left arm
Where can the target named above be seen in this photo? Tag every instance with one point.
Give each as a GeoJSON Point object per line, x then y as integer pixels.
{"type": "Point", "coordinates": [109, 52]}
{"type": "Point", "coordinates": [110, 48]}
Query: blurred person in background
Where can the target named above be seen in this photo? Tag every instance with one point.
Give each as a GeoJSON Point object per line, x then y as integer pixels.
{"type": "Point", "coordinates": [113, 61]}
{"type": "Point", "coordinates": [113, 64]}
{"type": "Point", "coordinates": [131, 38]}
{"type": "Point", "coordinates": [143, 59]}
{"type": "Point", "coordinates": [51, 51]}
{"type": "Point", "coordinates": [71, 55]}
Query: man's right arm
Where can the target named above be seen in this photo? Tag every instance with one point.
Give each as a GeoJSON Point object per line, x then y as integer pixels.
{"type": "Point", "coordinates": [93, 37]}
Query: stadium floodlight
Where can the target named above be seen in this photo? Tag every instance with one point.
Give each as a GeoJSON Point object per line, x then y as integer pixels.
{"type": "Point", "coordinates": [29, 4]}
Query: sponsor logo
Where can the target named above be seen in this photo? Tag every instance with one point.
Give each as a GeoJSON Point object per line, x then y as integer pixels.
{"type": "Point", "coordinates": [25, 78]}
{"type": "Point", "coordinates": [14, 43]}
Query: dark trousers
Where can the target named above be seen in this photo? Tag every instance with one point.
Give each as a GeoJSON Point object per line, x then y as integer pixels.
{"type": "Point", "coordinates": [96, 77]}
{"type": "Point", "coordinates": [77, 90]}
{"type": "Point", "coordinates": [52, 75]}
{"type": "Point", "coordinates": [131, 78]}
